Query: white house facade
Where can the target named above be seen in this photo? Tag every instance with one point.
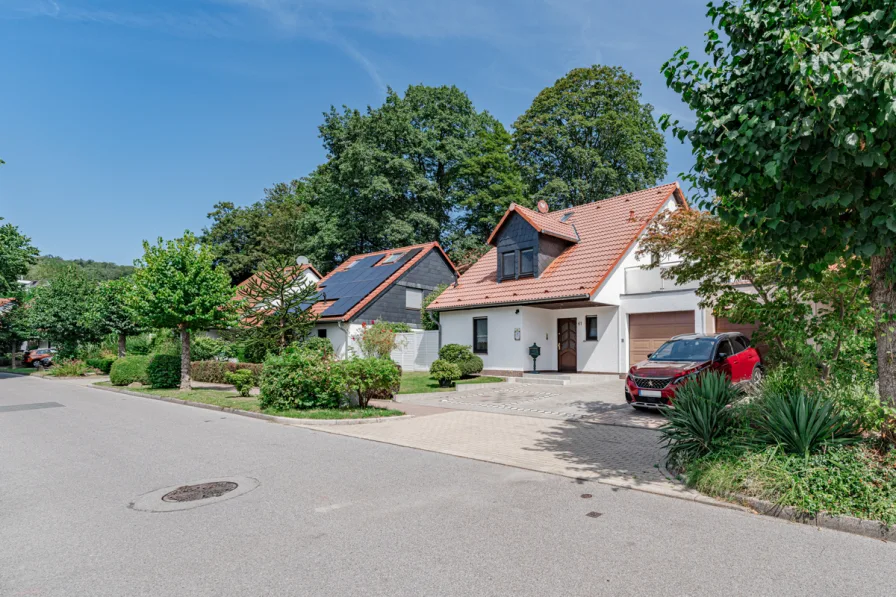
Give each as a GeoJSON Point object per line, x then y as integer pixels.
{"type": "Point", "coordinates": [570, 282]}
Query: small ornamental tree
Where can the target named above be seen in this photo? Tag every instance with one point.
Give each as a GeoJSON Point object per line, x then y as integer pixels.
{"type": "Point", "coordinates": [824, 323]}
{"type": "Point", "coordinates": [111, 313]}
{"type": "Point", "coordinates": [274, 306]}
{"type": "Point", "coordinates": [177, 287]}
{"type": "Point", "coordinates": [795, 135]}
{"type": "Point", "coordinates": [15, 326]}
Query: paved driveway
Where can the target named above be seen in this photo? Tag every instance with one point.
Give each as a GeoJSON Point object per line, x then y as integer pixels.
{"type": "Point", "coordinates": [599, 402]}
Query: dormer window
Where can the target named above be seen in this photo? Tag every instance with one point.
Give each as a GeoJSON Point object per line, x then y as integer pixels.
{"type": "Point", "coordinates": [508, 264]}
{"type": "Point", "coordinates": [352, 264]}
{"type": "Point", "coordinates": [527, 262]}
{"type": "Point", "coordinates": [393, 258]}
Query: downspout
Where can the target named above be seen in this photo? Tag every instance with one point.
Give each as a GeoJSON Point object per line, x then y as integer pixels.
{"type": "Point", "coordinates": [345, 352]}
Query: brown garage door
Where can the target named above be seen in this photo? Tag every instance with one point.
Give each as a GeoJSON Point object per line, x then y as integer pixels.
{"type": "Point", "coordinates": [648, 331]}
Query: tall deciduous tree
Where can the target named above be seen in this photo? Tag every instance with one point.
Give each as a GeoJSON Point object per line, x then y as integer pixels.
{"type": "Point", "coordinates": [111, 312]}
{"type": "Point", "coordinates": [57, 309]}
{"type": "Point", "coordinates": [15, 325]}
{"type": "Point", "coordinates": [589, 137]}
{"type": "Point", "coordinates": [398, 174]}
{"type": "Point", "coordinates": [274, 306]}
{"type": "Point", "coordinates": [243, 237]}
{"type": "Point", "coordinates": [17, 254]}
{"type": "Point", "coordinates": [796, 134]}
{"type": "Point", "coordinates": [176, 286]}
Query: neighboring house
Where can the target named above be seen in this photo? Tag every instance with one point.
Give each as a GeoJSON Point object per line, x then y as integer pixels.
{"type": "Point", "coordinates": [382, 286]}
{"type": "Point", "coordinates": [6, 304]}
{"type": "Point", "coordinates": [570, 282]}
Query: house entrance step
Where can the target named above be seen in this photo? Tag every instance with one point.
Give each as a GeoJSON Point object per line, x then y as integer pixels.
{"type": "Point", "coordinates": [541, 380]}
{"type": "Point", "coordinates": [567, 379]}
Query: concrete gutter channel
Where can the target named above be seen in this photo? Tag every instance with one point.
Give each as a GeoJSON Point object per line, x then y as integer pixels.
{"type": "Point", "coordinates": [846, 524]}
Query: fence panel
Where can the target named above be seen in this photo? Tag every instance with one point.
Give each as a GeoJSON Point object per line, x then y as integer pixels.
{"type": "Point", "coordinates": [416, 351]}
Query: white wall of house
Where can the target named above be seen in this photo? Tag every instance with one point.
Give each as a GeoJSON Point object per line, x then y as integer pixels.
{"type": "Point", "coordinates": [504, 353]}
{"type": "Point", "coordinates": [338, 338]}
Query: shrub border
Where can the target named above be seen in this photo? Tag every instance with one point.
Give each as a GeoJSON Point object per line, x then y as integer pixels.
{"type": "Point", "coordinates": [245, 413]}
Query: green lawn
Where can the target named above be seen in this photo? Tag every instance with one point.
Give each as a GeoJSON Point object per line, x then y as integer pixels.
{"type": "Point", "coordinates": [419, 382]}
{"type": "Point", "coordinates": [231, 399]}
{"type": "Point", "coordinates": [21, 370]}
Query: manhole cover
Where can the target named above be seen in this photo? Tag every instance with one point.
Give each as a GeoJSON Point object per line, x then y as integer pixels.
{"type": "Point", "coordinates": [191, 493]}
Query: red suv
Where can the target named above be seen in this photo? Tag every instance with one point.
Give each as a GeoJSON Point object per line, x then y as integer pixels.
{"type": "Point", "coordinates": [652, 383]}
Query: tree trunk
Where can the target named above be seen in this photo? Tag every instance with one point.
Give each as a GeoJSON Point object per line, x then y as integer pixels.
{"type": "Point", "coordinates": [185, 369]}
{"type": "Point", "coordinates": [12, 355]}
{"type": "Point", "coordinates": [122, 345]}
{"type": "Point", "coordinates": [883, 301]}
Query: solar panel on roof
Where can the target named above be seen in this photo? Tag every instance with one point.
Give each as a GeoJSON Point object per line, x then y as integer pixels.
{"type": "Point", "coordinates": [350, 286]}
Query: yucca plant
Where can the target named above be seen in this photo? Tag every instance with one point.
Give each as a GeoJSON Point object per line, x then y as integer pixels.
{"type": "Point", "coordinates": [802, 423]}
{"type": "Point", "coordinates": [699, 418]}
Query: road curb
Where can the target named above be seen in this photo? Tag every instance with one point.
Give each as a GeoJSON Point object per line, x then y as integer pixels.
{"type": "Point", "coordinates": [245, 413]}
{"type": "Point", "coordinates": [846, 524]}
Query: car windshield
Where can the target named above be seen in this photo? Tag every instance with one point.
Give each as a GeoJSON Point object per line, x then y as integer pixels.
{"type": "Point", "coordinates": [696, 349]}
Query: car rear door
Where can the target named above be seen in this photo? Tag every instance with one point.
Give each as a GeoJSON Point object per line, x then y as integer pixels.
{"type": "Point", "coordinates": [724, 347]}
{"type": "Point", "coordinates": [747, 358]}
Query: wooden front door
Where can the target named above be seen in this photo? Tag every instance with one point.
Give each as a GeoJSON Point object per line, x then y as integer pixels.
{"type": "Point", "coordinates": [566, 345]}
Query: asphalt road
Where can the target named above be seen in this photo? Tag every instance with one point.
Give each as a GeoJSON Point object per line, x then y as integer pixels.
{"type": "Point", "coordinates": [336, 515]}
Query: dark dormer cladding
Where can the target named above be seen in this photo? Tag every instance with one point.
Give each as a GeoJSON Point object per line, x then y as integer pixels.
{"type": "Point", "coordinates": [522, 251]}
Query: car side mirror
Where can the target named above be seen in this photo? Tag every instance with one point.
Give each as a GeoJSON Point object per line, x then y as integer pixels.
{"type": "Point", "coordinates": [649, 355]}
{"type": "Point", "coordinates": [722, 356]}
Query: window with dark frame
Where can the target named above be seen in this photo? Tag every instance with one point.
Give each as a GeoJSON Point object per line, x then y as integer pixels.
{"type": "Point", "coordinates": [322, 333]}
{"type": "Point", "coordinates": [591, 327]}
{"type": "Point", "coordinates": [480, 335]}
{"type": "Point", "coordinates": [527, 262]}
{"type": "Point", "coordinates": [508, 264]}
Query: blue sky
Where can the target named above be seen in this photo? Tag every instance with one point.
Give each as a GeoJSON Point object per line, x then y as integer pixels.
{"type": "Point", "coordinates": [124, 120]}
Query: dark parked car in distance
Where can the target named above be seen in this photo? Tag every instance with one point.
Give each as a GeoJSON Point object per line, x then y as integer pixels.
{"type": "Point", "coordinates": [652, 383]}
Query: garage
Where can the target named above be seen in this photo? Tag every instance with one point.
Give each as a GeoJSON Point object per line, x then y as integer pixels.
{"type": "Point", "coordinates": [648, 331]}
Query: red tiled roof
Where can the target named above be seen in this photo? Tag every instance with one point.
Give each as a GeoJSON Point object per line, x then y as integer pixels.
{"type": "Point", "coordinates": [606, 230]}
{"type": "Point", "coordinates": [6, 301]}
{"type": "Point", "coordinates": [427, 248]}
{"type": "Point", "coordinates": [545, 223]}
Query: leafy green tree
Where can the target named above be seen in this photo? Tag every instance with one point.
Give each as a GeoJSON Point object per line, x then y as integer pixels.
{"type": "Point", "coordinates": [176, 286]}
{"type": "Point", "coordinates": [398, 174]}
{"type": "Point", "coordinates": [274, 305]}
{"type": "Point", "coordinates": [57, 309]}
{"type": "Point", "coordinates": [823, 324]}
{"type": "Point", "coordinates": [244, 237]}
{"type": "Point", "coordinates": [17, 254]}
{"type": "Point", "coordinates": [488, 182]}
{"type": "Point", "coordinates": [111, 312]}
{"type": "Point", "coordinates": [15, 325]}
{"type": "Point", "coordinates": [589, 137]}
{"type": "Point", "coordinates": [795, 134]}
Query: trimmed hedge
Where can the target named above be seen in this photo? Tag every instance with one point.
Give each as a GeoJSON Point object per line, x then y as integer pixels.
{"type": "Point", "coordinates": [444, 372]}
{"type": "Point", "coordinates": [215, 371]}
{"type": "Point", "coordinates": [164, 371]}
{"type": "Point", "coordinates": [127, 370]}
{"type": "Point", "coordinates": [104, 365]}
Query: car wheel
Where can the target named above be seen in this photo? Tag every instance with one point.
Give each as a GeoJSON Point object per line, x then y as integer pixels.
{"type": "Point", "coordinates": [756, 377]}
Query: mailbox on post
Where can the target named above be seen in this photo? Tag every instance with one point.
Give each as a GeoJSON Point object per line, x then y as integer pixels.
{"type": "Point", "coordinates": [534, 352]}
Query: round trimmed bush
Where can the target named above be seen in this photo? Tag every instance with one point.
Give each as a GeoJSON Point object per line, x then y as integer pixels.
{"type": "Point", "coordinates": [163, 371]}
{"type": "Point", "coordinates": [444, 372]}
{"type": "Point", "coordinates": [463, 357]}
{"type": "Point", "coordinates": [301, 378]}
{"type": "Point", "coordinates": [127, 370]}
{"type": "Point", "coordinates": [102, 364]}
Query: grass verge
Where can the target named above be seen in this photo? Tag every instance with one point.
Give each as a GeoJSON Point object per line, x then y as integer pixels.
{"type": "Point", "coordinates": [230, 399]}
{"type": "Point", "coordinates": [852, 481]}
{"type": "Point", "coordinates": [419, 382]}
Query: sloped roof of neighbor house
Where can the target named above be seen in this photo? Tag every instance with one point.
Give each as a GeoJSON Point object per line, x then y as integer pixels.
{"type": "Point", "coordinates": [599, 235]}
{"type": "Point", "coordinates": [349, 288]}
